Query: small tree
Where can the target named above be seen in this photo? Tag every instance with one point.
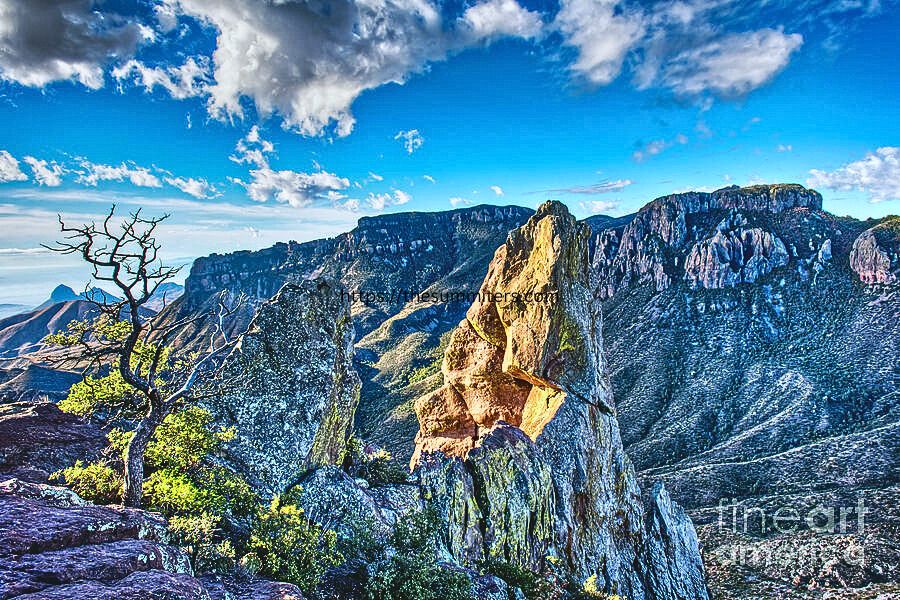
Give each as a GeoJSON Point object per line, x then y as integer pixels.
{"type": "Point", "coordinates": [125, 253]}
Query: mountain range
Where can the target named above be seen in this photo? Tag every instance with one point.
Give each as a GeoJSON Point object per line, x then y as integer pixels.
{"type": "Point", "coordinates": [751, 340]}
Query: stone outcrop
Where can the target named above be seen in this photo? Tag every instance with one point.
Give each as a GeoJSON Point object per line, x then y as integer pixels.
{"type": "Point", "coordinates": [290, 386]}
{"type": "Point", "coordinates": [39, 439]}
{"type": "Point", "coordinates": [875, 256]}
{"type": "Point", "coordinates": [651, 247]}
{"type": "Point", "coordinates": [55, 545]}
{"type": "Point", "coordinates": [519, 451]}
{"type": "Point", "coordinates": [733, 254]}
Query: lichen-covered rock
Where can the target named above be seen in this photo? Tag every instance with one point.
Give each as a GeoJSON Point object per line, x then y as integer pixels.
{"type": "Point", "coordinates": [875, 256]}
{"type": "Point", "coordinates": [55, 545]}
{"type": "Point", "coordinates": [291, 389]}
{"type": "Point", "coordinates": [553, 480]}
{"type": "Point", "coordinates": [334, 499]}
{"type": "Point", "coordinates": [734, 254]}
{"type": "Point", "coordinates": [673, 541]}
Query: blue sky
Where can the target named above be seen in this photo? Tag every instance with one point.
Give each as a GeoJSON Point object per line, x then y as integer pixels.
{"type": "Point", "coordinates": [252, 122]}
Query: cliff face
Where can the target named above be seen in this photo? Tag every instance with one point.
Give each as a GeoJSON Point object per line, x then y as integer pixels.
{"type": "Point", "coordinates": [875, 256]}
{"type": "Point", "coordinates": [698, 235]}
{"type": "Point", "coordinates": [520, 449]}
{"type": "Point", "coordinates": [291, 389]}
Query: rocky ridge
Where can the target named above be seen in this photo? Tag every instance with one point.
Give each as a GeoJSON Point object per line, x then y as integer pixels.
{"type": "Point", "coordinates": [667, 239]}
{"type": "Point", "coordinates": [555, 479]}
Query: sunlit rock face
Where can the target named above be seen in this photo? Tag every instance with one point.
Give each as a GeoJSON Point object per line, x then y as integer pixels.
{"type": "Point", "coordinates": [734, 253]}
{"type": "Point", "coordinates": [290, 387]}
{"type": "Point", "coordinates": [519, 450]}
{"type": "Point", "coordinates": [875, 256]}
{"type": "Point", "coordinates": [666, 239]}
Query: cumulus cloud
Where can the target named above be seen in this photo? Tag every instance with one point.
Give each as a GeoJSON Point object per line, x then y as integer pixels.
{"type": "Point", "coordinates": [42, 41]}
{"type": "Point", "coordinates": [457, 201]}
{"type": "Point", "coordinates": [383, 200]}
{"type": "Point", "coordinates": [681, 45]}
{"type": "Point", "coordinates": [198, 188]}
{"type": "Point", "coordinates": [429, 178]}
{"type": "Point", "coordinates": [877, 174]}
{"type": "Point", "coordinates": [93, 173]}
{"type": "Point", "coordinates": [785, 148]}
{"type": "Point", "coordinates": [411, 139]}
{"type": "Point", "coordinates": [602, 34]}
{"type": "Point", "coordinates": [599, 206]}
{"type": "Point", "coordinates": [500, 18]}
{"type": "Point", "coordinates": [655, 147]}
{"type": "Point", "coordinates": [9, 168]}
{"type": "Point", "coordinates": [732, 65]}
{"type": "Point", "coordinates": [497, 190]}
{"type": "Point", "coordinates": [298, 189]}
{"type": "Point", "coordinates": [401, 197]}
{"type": "Point", "coordinates": [45, 173]}
{"type": "Point", "coordinates": [187, 81]}
{"type": "Point", "coordinates": [375, 176]}
{"type": "Point", "coordinates": [309, 62]}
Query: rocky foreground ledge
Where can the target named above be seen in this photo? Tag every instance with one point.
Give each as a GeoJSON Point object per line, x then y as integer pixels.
{"type": "Point", "coordinates": [56, 546]}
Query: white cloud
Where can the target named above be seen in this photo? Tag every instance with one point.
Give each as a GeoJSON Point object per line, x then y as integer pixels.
{"type": "Point", "coordinates": [198, 188]}
{"type": "Point", "coordinates": [499, 18]}
{"type": "Point", "coordinates": [411, 139]}
{"type": "Point", "coordinates": [457, 201]}
{"type": "Point", "coordinates": [308, 62]}
{"type": "Point", "coordinates": [599, 206]}
{"type": "Point", "coordinates": [732, 65]}
{"type": "Point", "coordinates": [9, 168]}
{"type": "Point", "coordinates": [378, 201]}
{"type": "Point", "coordinates": [295, 188]}
{"type": "Point", "coordinates": [877, 173]}
{"type": "Point", "coordinates": [604, 187]}
{"type": "Point", "coordinates": [187, 81]}
{"type": "Point", "coordinates": [45, 173]}
{"type": "Point", "coordinates": [375, 176]}
{"type": "Point", "coordinates": [429, 178]}
{"type": "Point", "coordinates": [657, 146]}
{"type": "Point", "coordinates": [497, 190]}
{"type": "Point", "coordinates": [602, 32]}
{"type": "Point", "coordinates": [93, 173]}
{"type": "Point", "coordinates": [383, 200]}
{"type": "Point", "coordinates": [42, 41]}
{"type": "Point", "coordinates": [785, 148]}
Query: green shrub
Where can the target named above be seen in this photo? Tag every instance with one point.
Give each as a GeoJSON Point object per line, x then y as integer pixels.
{"type": "Point", "coordinates": [377, 468]}
{"type": "Point", "coordinates": [416, 531]}
{"type": "Point", "coordinates": [200, 538]}
{"type": "Point", "coordinates": [535, 586]}
{"type": "Point", "coordinates": [95, 482]}
{"type": "Point", "coordinates": [382, 469]}
{"type": "Point", "coordinates": [414, 577]}
{"type": "Point", "coordinates": [292, 548]}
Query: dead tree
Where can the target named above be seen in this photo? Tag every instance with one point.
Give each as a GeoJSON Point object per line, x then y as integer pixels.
{"type": "Point", "coordinates": [124, 252]}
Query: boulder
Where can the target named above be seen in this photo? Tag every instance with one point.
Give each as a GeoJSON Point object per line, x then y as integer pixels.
{"type": "Point", "coordinates": [290, 387]}
{"type": "Point", "coordinates": [553, 480]}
